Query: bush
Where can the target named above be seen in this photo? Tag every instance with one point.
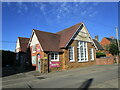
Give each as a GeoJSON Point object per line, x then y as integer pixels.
{"type": "Point", "coordinates": [100, 54]}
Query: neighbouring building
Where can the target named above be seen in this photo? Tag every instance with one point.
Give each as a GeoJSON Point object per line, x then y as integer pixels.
{"type": "Point", "coordinates": [106, 42]}
{"type": "Point", "coordinates": [98, 46]}
{"type": "Point", "coordinates": [72, 47]}
{"type": "Point", "coordinates": [20, 50]}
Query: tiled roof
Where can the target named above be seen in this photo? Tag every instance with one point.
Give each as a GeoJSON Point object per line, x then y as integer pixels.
{"type": "Point", "coordinates": [111, 40]}
{"type": "Point", "coordinates": [48, 41]}
{"type": "Point", "coordinates": [99, 47]}
{"type": "Point", "coordinates": [23, 43]}
{"type": "Point", "coordinates": [67, 34]}
{"type": "Point", "coordinates": [55, 41]}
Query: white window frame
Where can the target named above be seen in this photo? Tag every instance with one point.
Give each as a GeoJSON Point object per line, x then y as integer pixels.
{"type": "Point", "coordinates": [84, 45]}
{"type": "Point", "coordinates": [54, 56]}
{"type": "Point", "coordinates": [91, 54]}
{"type": "Point", "coordinates": [34, 50]}
{"type": "Point", "coordinates": [72, 55]}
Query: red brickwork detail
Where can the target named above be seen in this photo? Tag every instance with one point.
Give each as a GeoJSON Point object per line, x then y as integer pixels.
{"type": "Point", "coordinates": [104, 61]}
{"type": "Point", "coordinates": [105, 42]}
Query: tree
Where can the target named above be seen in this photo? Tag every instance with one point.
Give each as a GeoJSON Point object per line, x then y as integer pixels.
{"type": "Point", "coordinates": [113, 49]}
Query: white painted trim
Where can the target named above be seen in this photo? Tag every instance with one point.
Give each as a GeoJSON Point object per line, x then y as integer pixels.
{"type": "Point", "coordinates": [73, 35]}
{"type": "Point", "coordinates": [87, 50]}
{"type": "Point", "coordinates": [73, 54]}
{"type": "Point", "coordinates": [54, 56]}
{"type": "Point", "coordinates": [82, 61]}
{"type": "Point", "coordinates": [83, 52]}
{"type": "Point", "coordinates": [33, 32]}
{"type": "Point", "coordinates": [90, 35]}
{"type": "Point", "coordinates": [92, 54]}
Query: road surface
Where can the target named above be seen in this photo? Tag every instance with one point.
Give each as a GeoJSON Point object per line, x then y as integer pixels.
{"type": "Point", "coordinates": [97, 76]}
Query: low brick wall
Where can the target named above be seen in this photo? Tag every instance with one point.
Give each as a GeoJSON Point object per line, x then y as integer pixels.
{"type": "Point", "coordinates": [104, 61]}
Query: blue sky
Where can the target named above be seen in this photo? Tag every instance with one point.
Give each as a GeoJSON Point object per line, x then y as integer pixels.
{"type": "Point", "coordinates": [19, 18]}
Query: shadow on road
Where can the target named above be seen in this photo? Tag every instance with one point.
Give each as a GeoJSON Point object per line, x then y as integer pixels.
{"type": "Point", "coordinates": [86, 84]}
{"type": "Point", "coordinates": [7, 71]}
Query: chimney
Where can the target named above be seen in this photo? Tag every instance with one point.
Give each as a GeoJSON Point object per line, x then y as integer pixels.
{"type": "Point", "coordinates": [111, 37]}
{"type": "Point", "coordinates": [96, 38]}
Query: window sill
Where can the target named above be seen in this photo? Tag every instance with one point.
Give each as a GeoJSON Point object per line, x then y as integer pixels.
{"type": "Point", "coordinates": [82, 61]}
{"type": "Point", "coordinates": [72, 61]}
{"type": "Point", "coordinates": [34, 52]}
{"type": "Point", "coordinates": [54, 60]}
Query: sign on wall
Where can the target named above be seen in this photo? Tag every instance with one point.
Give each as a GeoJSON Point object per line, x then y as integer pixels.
{"type": "Point", "coordinates": [38, 48]}
{"type": "Point", "coordinates": [54, 64]}
{"type": "Point", "coordinates": [33, 60]}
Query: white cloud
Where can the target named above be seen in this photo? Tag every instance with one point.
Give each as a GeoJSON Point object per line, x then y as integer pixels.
{"type": "Point", "coordinates": [93, 14]}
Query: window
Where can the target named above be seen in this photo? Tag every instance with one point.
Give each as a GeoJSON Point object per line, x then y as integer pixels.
{"type": "Point", "coordinates": [34, 60]}
{"type": "Point", "coordinates": [91, 54]}
{"type": "Point", "coordinates": [54, 57]}
{"type": "Point", "coordinates": [71, 54]}
{"type": "Point", "coordinates": [82, 51]}
{"type": "Point", "coordinates": [33, 48]}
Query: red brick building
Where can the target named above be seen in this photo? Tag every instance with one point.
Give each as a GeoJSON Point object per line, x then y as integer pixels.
{"type": "Point", "coordinates": [106, 42]}
{"type": "Point", "coordinates": [70, 48]}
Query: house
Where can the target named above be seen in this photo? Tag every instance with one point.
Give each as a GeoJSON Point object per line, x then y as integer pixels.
{"type": "Point", "coordinates": [98, 46]}
{"type": "Point", "coordinates": [20, 50]}
{"type": "Point", "coordinates": [72, 47]}
{"type": "Point", "coordinates": [106, 42]}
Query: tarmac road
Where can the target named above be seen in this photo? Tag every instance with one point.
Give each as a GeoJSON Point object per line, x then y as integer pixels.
{"type": "Point", "coordinates": [97, 76]}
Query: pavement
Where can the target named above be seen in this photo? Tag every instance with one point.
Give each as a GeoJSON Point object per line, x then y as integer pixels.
{"type": "Point", "coordinates": [97, 76]}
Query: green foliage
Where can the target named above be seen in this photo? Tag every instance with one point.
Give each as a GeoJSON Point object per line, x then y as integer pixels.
{"type": "Point", "coordinates": [107, 47]}
{"type": "Point", "coordinates": [100, 54]}
{"type": "Point", "coordinates": [113, 49]}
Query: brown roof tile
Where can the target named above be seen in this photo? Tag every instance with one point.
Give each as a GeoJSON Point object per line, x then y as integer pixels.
{"type": "Point", "coordinates": [23, 43]}
{"type": "Point", "coordinates": [55, 41]}
{"type": "Point", "coordinates": [99, 47]}
{"type": "Point", "coordinates": [67, 34]}
{"type": "Point", "coordinates": [48, 41]}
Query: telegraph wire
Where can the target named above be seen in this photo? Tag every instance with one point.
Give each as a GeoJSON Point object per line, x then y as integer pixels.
{"type": "Point", "coordinates": [89, 20]}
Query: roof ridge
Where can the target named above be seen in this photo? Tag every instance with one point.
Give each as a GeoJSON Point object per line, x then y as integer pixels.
{"type": "Point", "coordinates": [24, 37]}
{"type": "Point", "coordinates": [68, 27]}
{"type": "Point", "coordinates": [45, 32]}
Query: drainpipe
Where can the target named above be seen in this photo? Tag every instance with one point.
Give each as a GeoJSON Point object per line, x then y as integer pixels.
{"type": "Point", "coordinates": [48, 62]}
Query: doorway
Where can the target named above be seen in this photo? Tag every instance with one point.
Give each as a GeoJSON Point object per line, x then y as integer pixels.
{"type": "Point", "coordinates": [39, 62]}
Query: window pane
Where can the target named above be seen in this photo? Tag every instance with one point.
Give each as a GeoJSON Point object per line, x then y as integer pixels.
{"type": "Point", "coordinates": [82, 51]}
{"type": "Point", "coordinates": [91, 54]}
{"type": "Point", "coordinates": [71, 53]}
{"type": "Point", "coordinates": [52, 55]}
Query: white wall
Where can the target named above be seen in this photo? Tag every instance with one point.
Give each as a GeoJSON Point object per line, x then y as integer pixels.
{"type": "Point", "coordinates": [17, 45]}
{"type": "Point", "coordinates": [34, 40]}
{"type": "Point", "coordinates": [83, 35]}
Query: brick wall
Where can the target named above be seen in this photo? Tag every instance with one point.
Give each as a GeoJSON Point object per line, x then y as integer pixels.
{"type": "Point", "coordinates": [104, 61]}
{"type": "Point", "coordinates": [68, 65]}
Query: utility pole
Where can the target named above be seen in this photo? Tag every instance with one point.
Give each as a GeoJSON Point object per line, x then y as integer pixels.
{"type": "Point", "coordinates": [118, 42]}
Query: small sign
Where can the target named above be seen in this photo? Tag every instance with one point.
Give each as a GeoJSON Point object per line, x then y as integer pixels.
{"type": "Point", "coordinates": [38, 48]}
{"type": "Point", "coordinates": [54, 64]}
{"type": "Point", "coordinates": [45, 57]}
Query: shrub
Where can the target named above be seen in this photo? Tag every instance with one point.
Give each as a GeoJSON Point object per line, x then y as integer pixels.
{"type": "Point", "coordinates": [100, 54]}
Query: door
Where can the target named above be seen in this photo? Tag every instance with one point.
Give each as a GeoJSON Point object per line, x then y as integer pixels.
{"type": "Point", "coordinates": [39, 63]}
